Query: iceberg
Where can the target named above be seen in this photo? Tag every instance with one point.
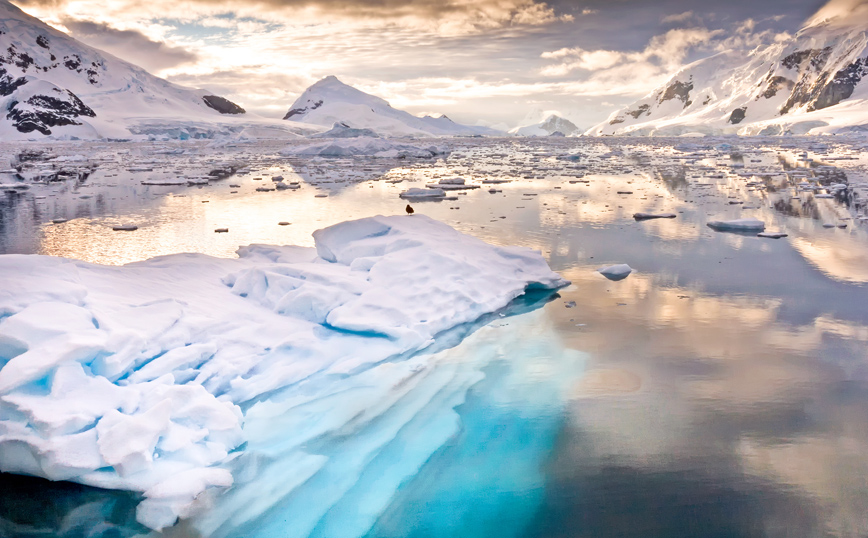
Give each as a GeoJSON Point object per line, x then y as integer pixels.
{"type": "Point", "coordinates": [616, 272]}
{"type": "Point", "coordinates": [142, 377]}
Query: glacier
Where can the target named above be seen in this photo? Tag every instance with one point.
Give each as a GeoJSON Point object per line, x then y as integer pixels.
{"type": "Point", "coordinates": [159, 376]}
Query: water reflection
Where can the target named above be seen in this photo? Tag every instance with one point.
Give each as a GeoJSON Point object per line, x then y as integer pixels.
{"type": "Point", "coordinates": [719, 390]}
{"type": "Point", "coordinates": [31, 507]}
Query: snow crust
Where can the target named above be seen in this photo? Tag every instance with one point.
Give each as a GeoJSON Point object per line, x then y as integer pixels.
{"type": "Point", "coordinates": [136, 377]}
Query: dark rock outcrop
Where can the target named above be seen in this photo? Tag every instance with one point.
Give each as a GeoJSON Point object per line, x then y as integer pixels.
{"type": "Point", "coordinates": [222, 105]}
{"type": "Point", "coordinates": [678, 90]}
{"type": "Point", "coordinates": [776, 84]}
{"type": "Point", "coordinates": [8, 84]}
{"type": "Point", "coordinates": [41, 112]}
{"type": "Point", "coordinates": [299, 111]}
{"type": "Point", "coordinates": [642, 109]}
{"type": "Point", "coordinates": [842, 85]}
{"type": "Point", "coordinates": [737, 115]}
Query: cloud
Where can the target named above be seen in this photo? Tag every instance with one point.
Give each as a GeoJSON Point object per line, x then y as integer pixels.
{"type": "Point", "coordinates": [745, 37]}
{"type": "Point", "coordinates": [680, 17]}
{"type": "Point", "coordinates": [664, 52]}
{"type": "Point", "coordinates": [841, 13]}
{"type": "Point", "coordinates": [445, 17]}
{"type": "Point", "coordinates": [131, 45]}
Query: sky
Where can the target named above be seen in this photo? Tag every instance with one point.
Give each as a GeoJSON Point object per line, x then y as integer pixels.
{"type": "Point", "coordinates": [491, 62]}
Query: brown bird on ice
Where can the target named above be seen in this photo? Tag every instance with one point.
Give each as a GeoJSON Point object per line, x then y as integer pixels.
{"type": "Point", "coordinates": [409, 209]}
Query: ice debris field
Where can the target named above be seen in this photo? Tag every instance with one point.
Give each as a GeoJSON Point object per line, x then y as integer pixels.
{"type": "Point", "coordinates": [139, 377]}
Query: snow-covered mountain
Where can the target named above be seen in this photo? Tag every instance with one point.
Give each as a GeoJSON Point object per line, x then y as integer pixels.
{"type": "Point", "coordinates": [54, 85]}
{"type": "Point", "coordinates": [330, 101]}
{"type": "Point", "coordinates": [811, 83]}
{"type": "Point", "coordinates": [552, 125]}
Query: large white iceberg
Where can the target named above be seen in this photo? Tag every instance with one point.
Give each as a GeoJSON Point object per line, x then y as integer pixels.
{"type": "Point", "coordinates": [135, 377]}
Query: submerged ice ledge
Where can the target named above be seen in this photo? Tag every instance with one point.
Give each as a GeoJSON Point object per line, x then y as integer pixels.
{"type": "Point", "coordinates": [135, 377]}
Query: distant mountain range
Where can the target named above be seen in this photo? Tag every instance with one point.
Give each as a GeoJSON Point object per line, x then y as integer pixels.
{"type": "Point", "coordinates": [53, 85]}
{"type": "Point", "coordinates": [330, 102]}
{"type": "Point", "coordinates": [812, 83]}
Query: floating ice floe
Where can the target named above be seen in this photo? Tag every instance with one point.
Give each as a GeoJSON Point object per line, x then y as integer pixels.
{"type": "Point", "coordinates": [452, 184]}
{"type": "Point", "coordinates": [772, 235]}
{"type": "Point", "coordinates": [134, 377]}
{"type": "Point", "coordinates": [738, 225]}
{"type": "Point", "coordinates": [648, 216]}
{"type": "Point", "coordinates": [423, 194]}
{"type": "Point", "coordinates": [616, 272]}
{"type": "Point", "coordinates": [165, 182]}
{"type": "Point", "coordinates": [370, 147]}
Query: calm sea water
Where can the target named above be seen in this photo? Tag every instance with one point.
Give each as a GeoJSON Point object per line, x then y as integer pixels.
{"type": "Point", "coordinates": [721, 390]}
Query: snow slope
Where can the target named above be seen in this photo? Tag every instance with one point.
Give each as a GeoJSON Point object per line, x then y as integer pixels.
{"type": "Point", "coordinates": [53, 85]}
{"type": "Point", "coordinates": [330, 101]}
{"type": "Point", "coordinates": [551, 125]}
{"type": "Point", "coordinates": [135, 377]}
{"type": "Point", "coordinates": [812, 83]}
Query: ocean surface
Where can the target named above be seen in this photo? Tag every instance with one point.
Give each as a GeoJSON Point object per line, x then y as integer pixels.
{"type": "Point", "coordinates": [720, 390]}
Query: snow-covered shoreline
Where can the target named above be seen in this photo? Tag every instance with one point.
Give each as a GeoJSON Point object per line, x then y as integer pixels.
{"type": "Point", "coordinates": [134, 377]}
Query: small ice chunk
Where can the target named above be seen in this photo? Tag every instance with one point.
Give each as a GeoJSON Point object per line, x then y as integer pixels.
{"type": "Point", "coordinates": [738, 225]}
{"type": "Point", "coordinates": [616, 272]}
{"type": "Point", "coordinates": [772, 235]}
{"type": "Point", "coordinates": [125, 228]}
{"type": "Point", "coordinates": [646, 216]}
